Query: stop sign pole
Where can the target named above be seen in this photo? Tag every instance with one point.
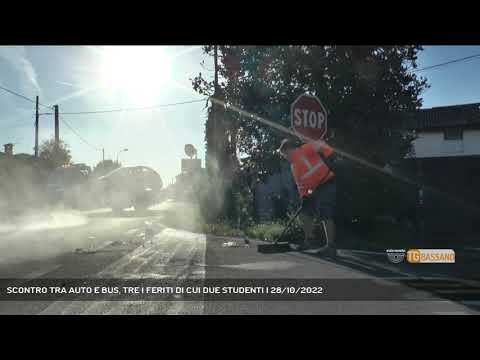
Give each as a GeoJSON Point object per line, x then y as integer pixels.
{"type": "Point", "coordinates": [309, 117]}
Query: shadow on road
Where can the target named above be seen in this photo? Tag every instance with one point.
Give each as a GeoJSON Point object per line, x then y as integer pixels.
{"type": "Point", "coordinates": [465, 292]}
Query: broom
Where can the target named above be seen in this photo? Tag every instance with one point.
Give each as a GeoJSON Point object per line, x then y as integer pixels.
{"type": "Point", "coordinates": [278, 245]}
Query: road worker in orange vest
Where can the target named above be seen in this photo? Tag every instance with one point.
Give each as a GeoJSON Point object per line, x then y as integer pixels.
{"type": "Point", "coordinates": [316, 186]}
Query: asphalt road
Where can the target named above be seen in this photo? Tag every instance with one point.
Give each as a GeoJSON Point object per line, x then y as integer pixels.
{"type": "Point", "coordinates": [99, 244]}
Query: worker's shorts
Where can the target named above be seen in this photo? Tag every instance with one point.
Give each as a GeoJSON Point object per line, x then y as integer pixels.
{"type": "Point", "coordinates": [322, 202]}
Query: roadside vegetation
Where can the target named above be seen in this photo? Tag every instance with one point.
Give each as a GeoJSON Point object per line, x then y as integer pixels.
{"type": "Point", "coordinates": [265, 232]}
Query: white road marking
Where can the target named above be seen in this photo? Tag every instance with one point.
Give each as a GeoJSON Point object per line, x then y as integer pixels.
{"type": "Point", "coordinates": [381, 265]}
{"type": "Point", "coordinates": [264, 265]}
{"type": "Point", "coordinates": [36, 274]}
{"type": "Point", "coordinates": [450, 313]}
{"type": "Point", "coordinates": [365, 252]}
{"type": "Point", "coordinates": [45, 270]}
{"type": "Point", "coordinates": [188, 249]}
{"type": "Point", "coordinates": [176, 308]}
{"type": "Point", "coordinates": [430, 275]}
{"type": "Point", "coordinates": [454, 291]}
{"type": "Point", "coordinates": [345, 258]}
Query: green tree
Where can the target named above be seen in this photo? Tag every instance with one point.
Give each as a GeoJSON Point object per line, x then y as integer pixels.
{"type": "Point", "coordinates": [367, 90]}
{"type": "Point", "coordinates": [54, 155]}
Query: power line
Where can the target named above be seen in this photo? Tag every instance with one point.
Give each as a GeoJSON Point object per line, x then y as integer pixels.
{"type": "Point", "coordinates": [22, 96]}
{"type": "Point", "coordinates": [447, 63]}
{"type": "Point", "coordinates": [129, 109]}
{"type": "Point", "coordinates": [110, 111]}
{"type": "Point", "coordinates": [78, 135]}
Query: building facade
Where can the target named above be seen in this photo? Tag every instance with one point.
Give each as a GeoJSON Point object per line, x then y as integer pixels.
{"type": "Point", "coordinates": [446, 151]}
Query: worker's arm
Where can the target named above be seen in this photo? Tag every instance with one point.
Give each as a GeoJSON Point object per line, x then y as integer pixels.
{"type": "Point", "coordinates": [324, 150]}
{"type": "Point", "coordinates": [323, 147]}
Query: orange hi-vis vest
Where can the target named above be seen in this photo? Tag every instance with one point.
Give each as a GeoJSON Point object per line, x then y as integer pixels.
{"type": "Point", "coordinates": [308, 168]}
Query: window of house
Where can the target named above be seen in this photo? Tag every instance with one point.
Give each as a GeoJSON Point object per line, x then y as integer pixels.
{"type": "Point", "coordinates": [453, 134]}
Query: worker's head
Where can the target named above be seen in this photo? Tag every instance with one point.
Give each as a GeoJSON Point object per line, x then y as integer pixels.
{"type": "Point", "coordinates": [286, 148]}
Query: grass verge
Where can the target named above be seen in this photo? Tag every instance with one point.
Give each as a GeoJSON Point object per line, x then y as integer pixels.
{"type": "Point", "coordinates": [265, 232]}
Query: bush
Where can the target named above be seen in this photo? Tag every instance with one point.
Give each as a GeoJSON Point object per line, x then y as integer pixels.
{"type": "Point", "coordinates": [272, 232]}
{"type": "Point", "coordinates": [265, 232]}
{"type": "Point", "coordinates": [221, 230]}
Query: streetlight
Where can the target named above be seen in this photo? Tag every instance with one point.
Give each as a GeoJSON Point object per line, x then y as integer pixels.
{"type": "Point", "coordinates": [120, 152]}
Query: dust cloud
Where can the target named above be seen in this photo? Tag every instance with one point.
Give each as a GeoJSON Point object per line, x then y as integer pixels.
{"type": "Point", "coordinates": [34, 215]}
{"type": "Point", "coordinates": [47, 220]}
{"type": "Point", "coordinates": [34, 236]}
{"type": "Point", "coordinates": [184, 215]}
{"type": "Point", "coordinates": [43, 213]}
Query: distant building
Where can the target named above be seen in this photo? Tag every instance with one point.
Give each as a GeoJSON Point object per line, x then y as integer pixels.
{"type": "Point", "coordinates": [449, 131]}
{"type": "Point", "coordinates": [446, 151]}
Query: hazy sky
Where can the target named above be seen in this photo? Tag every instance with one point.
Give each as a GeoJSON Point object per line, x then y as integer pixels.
{"type": "Point", "coordinates": [93, 78]}
{"type": "Point", "coordinates": [82, 78]}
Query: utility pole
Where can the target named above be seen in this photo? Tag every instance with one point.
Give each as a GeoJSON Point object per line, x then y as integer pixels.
{"type": "Point", "coordinates": [103, 155]}
{"type": "Point", "coordinates": [37, 116]}
{"type": "Point", "coordinates": [215, 57]}
{"type": "Point", "coordinates": [57, 131]}
{"type": "Point", "coordinates": [214, 105]}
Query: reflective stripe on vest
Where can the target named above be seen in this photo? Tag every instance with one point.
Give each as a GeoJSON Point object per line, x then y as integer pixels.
{"type": "Point", "coordinates": [311, 169]}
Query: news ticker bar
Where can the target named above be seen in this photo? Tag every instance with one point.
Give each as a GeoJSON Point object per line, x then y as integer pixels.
{"type": "Point", "coordinates": [225, 290]}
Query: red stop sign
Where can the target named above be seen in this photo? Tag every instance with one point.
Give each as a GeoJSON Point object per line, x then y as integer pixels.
{"type": "Point", "coordinates": [309, 117]}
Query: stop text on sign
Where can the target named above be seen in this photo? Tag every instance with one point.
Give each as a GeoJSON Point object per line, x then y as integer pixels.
{"type": "Point", "coordinates": [308, 119]}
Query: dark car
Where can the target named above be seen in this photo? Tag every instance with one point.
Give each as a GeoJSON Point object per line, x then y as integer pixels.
{"type": "Point", "coordinates": [137, 186]}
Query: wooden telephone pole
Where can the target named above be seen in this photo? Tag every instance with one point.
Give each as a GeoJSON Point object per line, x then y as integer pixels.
{"type": "Point", "coordinates": [214, 105]}
{"type": "Point", "coordinates": [57, 130]}
{"type": "Point", "coordinates": [37, 117]}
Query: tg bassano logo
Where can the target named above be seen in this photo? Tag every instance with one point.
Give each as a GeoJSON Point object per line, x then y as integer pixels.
{"type": "Point", "coordinates": [424, 256]}
{"type": "Point", "coordinates": [431, 256]}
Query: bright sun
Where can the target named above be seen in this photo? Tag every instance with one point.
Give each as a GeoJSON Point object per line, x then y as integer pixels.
{"type": "Point", "coordinates": [136, 73]}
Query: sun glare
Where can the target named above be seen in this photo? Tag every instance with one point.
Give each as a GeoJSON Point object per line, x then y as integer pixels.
{"type": "Point", "coordinates": [136, 73]}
